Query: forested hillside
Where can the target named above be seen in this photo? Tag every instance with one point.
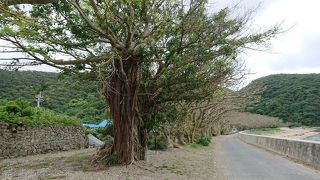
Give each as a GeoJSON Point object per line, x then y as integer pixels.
{"type": "Point", "coordinates": [291, 97]}
{"type": "Point", "coordinates": [62, 94]}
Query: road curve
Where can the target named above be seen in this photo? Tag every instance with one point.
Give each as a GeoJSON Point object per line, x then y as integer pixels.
{"type": "Point", "coordinates": [237, 160]}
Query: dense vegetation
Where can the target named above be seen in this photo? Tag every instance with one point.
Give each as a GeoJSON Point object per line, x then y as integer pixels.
{"type": "Point", "coordinates": [22, 113]}
{"type": "Point", "coordinates": [291, 97]}
{"type": "Point", "coordinates": [62, 94]}
{"type": "Point", "coordinates": [244, 120]}
{"type": "Point", "coordinates": [150, 55]}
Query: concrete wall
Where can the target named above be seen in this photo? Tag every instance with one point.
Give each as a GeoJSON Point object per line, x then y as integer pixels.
{"type": "Point", "coordinates": [301, 150]}
{"type": "Point", "coordinates": [21, 140]}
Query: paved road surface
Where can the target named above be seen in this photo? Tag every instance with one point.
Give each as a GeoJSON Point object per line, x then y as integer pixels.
{"type": "Point", "coordinates": [240, 161]}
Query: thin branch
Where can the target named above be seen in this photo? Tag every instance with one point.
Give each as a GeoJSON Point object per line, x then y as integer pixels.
{"type": "Point", "coordinates": [95, 59]}
{"type": "Point", "coordinates": [16, 2]}
{"type": "Point", "coordinates": [109, 35]}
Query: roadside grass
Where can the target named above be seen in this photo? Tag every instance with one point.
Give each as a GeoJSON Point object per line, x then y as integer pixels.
{"type": "Point", "coordinates": [266, 131]}
{"type": "Point", "coordinates": [197, 146]}
{"type": "Point", "coordinates": [176, 167]}
{"type": "Point", "coordinates": [78, 162]}
{"type": "Point", "coordinates": [81, 161]}
{"type": "Point", "coordinates": [79, 158]}
{"type": "Point", "coordinates": [56, 177]}
{"type": "Point", "coordinates": [38, 166]}
{"type": "Point", "coordinates": [4, 165]}
{"type": "Point", "coordinates": [20, 165]}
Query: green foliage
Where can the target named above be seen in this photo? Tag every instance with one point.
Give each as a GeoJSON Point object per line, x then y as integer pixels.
{"type": "Point", "coordinates": [291, 97]}
{"type": "Point", "coordinates": [179, 52]}
{"type": "Point", "coordinates": [110, 159]}
{"type": "Point", "coordinates": [197, 146]}
{"type": "Point", "coordinates": [67, 95]}
{"type": "Point", "coordinates": [294, 125]}
{"type": "Point", "coordinates": [204, 141]}
{"type": "Point", "coordinates": [20, 112]}
{"type": "Point", "coordinates": [161, 143]}
{"type": "Point", "coordinates": [153, 53]}
{"type": "Point", "coordinates": [99, 133]}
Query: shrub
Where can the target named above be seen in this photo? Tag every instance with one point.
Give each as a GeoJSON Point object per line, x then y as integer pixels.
{"type": "Point", "coordinates": [99, 133]}
{"type": "Point", "coordinates": [204, 141]}
{"type": "Point", "coordinates": [21, 112]}
{"type": "Point", "coordinates": [160, 143]}
{"type": "Point", "coordinates": [294, 125]}
{"type": "Point", "coordinates": [110, 160]}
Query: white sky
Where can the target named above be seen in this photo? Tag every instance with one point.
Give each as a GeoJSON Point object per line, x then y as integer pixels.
{"type": "Point", "coordinates": [296, 51]}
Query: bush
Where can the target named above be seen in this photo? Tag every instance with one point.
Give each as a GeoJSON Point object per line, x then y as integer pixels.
{"type": "Point", "coordinates": [21, 112]}
{"type": "Point", "coordinates": [204, 141]}
{"type": "Point", "coordinates": [294, 125]}
{"type": "Point", "coordinates": [99, 133]}
{"type": "Point", "coordinates": [160, 143]}
{"type": "Point", "coordinates": [110, 160]}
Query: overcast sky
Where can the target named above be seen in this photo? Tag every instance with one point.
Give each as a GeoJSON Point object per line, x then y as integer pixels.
{"type": "Point", "coordinates": [296, 51]}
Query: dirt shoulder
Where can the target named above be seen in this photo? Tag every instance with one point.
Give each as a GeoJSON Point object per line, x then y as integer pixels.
{"type": "Point", "coordinates": [186, 163]}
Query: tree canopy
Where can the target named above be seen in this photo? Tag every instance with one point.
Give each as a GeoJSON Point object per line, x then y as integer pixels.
{"type": "Point", "coordinates": [147, 54]}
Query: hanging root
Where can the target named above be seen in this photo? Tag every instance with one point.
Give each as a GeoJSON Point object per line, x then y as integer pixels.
{"type": "Point", "coordinates": [104, 152]}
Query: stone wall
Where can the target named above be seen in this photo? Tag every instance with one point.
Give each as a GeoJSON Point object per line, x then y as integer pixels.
{"type": "Point", "coordinates": [302, 150]}
{"type": "Point", "coordinates": [21, 140]}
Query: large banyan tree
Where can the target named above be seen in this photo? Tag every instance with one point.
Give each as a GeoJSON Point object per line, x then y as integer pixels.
{"type": "Point", "coordinates": [147, 53]}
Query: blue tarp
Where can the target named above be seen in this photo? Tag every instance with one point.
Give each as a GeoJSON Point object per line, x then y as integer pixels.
{"type": "Point", "coordinates": [103, 123]}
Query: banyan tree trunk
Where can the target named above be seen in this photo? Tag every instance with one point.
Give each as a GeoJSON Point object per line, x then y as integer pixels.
{"type": "Point", "coordinates": [130, 136]}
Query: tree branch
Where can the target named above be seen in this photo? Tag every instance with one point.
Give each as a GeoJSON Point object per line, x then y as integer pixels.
{"type": "Point", "coordinates": [95, 59]}
{"type": "Point", "coordinates": [16, 2]}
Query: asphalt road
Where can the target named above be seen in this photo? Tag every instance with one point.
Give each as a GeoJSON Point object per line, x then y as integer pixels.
{"type": "Point", "coordinates": [240, 161]}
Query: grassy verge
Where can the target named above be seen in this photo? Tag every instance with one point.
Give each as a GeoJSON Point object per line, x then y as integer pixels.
{"type": "Point", "coordinates": [266, 131]}
{"type": "Point", "coordinates": [197, 146]}
{"type": "Point", "coordinates": [176, 167]}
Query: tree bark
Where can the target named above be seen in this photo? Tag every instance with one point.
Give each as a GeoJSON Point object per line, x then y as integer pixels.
{"type": "Point", "coordinates": [130, 136]}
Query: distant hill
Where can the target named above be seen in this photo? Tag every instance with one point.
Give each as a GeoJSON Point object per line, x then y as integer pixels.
{"type": "Point", "coordinates": [63, 95]}
{"type": "Point", "coordinates": [291, 97]}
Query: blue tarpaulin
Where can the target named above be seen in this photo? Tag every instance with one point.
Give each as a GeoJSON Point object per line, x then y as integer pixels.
{"type": "Point", "coordinates": [103, 123]}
